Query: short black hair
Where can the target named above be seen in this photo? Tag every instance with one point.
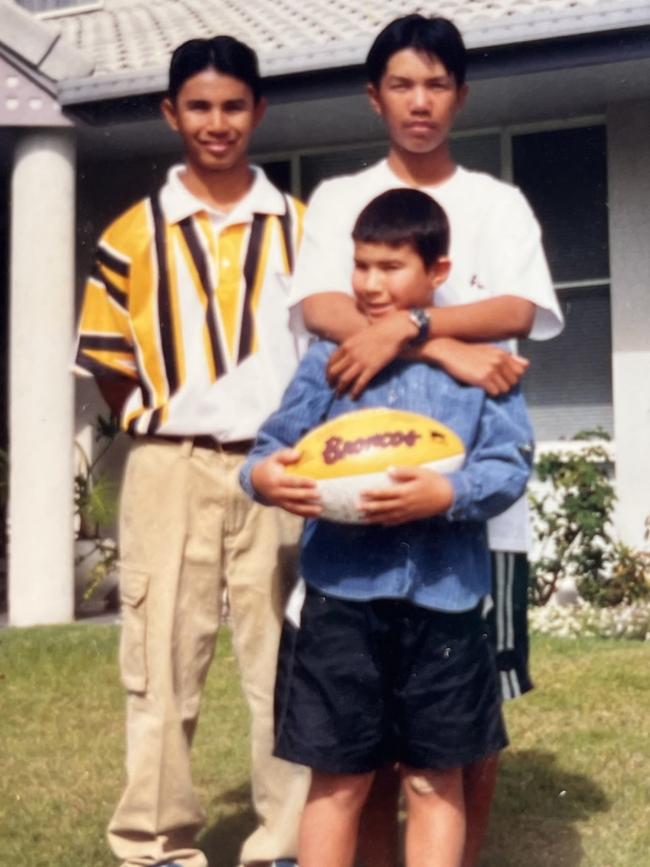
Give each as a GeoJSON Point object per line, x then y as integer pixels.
{"type": "Point", "coordinates": [435, 36]}
{"type": "Point", "coordinates": [223, 53]}
{"type": "Point", "coordinates": [405, 216]}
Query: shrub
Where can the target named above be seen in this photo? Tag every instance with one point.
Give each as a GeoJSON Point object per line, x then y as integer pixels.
{"type": "Point", "coordinates": [572, 511]}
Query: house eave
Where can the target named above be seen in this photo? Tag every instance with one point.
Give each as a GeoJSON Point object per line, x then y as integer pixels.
{"type": "Point", "coordinates": [105, 105]}
{"type": "Point", "coordinates": [536, 27]}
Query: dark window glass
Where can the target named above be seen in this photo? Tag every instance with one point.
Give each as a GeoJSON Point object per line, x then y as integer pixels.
{"type": "Point", "coordinates": [564, 176]}
{"type": "Point", "coordinates": [568, 387]}
{"type": "Point", "coordinates": [319, 167]}
{"type": "Point", "coordinates": [279, 173]}
{"type": "Point", "coordinates": [480, 153]}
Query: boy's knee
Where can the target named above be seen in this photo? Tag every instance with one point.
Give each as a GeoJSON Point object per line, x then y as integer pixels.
{"type": "Point", "coordinates": [345, 791]}
{"type": "Point", "coordinates": [428, 783]}
{"type": "Point", "coordinates": [421, 784]}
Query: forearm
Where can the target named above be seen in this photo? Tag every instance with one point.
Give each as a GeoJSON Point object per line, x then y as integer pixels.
{"type": "Point", "coordinates": [499, 462]}
{"type": "Point", "coordinates": [499, 318]}
{"type": "Point", "coordinates": [332, 315]}
{"type": "Point", "coordinates": [482, 494]}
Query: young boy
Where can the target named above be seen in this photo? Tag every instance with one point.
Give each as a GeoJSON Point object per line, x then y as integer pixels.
{"type": "Point", "coordinates": [387, 660]}
{"type": "Point", "coordinates": [185, 328]}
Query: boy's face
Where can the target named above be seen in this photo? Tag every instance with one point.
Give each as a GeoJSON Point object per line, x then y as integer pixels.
{"type": "Point", "coordinates": [418, 101]}
{"type": "Point", "coordinates": [215, 115]}
{"type": "Point", "coordinates": [387, 278]}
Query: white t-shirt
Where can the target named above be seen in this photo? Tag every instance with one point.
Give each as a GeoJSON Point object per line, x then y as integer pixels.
{"type": "Point", "coordinates": [495, 250]}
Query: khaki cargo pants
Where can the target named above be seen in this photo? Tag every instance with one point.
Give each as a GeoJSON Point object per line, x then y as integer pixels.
{"type": "Point", "coordinates": [185, 527]}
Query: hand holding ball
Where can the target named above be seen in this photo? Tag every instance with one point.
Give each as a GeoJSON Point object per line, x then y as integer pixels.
{"type": "Point", "coordinates": [353, 453]}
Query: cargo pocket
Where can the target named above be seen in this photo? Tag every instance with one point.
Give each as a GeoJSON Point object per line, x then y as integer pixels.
{"type": "Point", "coordinates": [133, 642]}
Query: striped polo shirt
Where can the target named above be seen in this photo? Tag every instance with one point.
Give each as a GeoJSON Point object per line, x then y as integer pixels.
{"type": "Point", "coordinates": [191, 304]}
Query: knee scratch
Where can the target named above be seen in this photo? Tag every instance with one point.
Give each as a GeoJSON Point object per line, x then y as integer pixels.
{"type": "Point", "coordinates": [421, 784]}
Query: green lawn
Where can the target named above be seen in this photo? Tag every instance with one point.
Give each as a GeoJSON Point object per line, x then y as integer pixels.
{"type": "Point", "coordinates": [573, 789]}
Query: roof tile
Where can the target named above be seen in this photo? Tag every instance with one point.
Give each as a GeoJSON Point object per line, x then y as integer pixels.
{"type": "Point", "coordinates": [137, 36]}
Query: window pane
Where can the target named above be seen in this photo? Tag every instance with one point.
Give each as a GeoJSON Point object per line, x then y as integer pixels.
{"type": "Point", "coordinates": [569, 384]}
{"type": "Point", "coordinates": [279, 173]}
{"type": "Point", "coordinates": [480, 153]}
{"type": "Point", "coordinates": [317, 167]}
{"type": "Point", "coordinates": [564, 175]}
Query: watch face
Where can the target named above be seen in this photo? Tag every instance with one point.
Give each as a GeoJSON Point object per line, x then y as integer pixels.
{"type": "Point", "coordinates": [420, 318]}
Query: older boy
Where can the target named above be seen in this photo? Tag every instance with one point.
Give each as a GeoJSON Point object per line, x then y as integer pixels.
{"type": "Point", "coordinates": [185, 328]}
{"type": "Point", "coordinates": [389, 662]}
{"type": "Point", "coordinates": [499, 287]}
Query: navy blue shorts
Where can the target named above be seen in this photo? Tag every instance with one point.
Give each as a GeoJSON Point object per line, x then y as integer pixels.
{"type": "Point", "coordinates": [363, 684]}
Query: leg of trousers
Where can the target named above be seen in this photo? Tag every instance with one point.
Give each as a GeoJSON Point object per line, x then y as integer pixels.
{"type": "Point", "coordinates": [185, 527]}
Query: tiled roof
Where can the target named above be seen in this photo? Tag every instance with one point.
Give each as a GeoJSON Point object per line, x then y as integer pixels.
{"type": "Point", "coordinates": [129, 41]}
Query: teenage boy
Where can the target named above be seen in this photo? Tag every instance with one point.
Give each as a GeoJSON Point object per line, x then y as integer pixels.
{"type": "Point", "coordinates": [388, 662]}
{"type": "Point", "coordinates": [185, 328]}
{"type": "Point", "coordinates": [498, 288]}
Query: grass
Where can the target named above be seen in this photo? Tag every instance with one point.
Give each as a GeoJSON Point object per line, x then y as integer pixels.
{"type": "Point", "coordinates": [573, 788]}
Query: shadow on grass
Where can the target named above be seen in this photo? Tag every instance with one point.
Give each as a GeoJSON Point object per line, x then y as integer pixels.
{"type": "Point", "coordinates": [222, 842]}
{"type": "Point", "coordinates": [536, 807]}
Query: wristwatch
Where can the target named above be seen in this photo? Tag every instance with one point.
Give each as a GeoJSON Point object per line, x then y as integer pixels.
{"type": "Point", "coordinates": [421, 319]}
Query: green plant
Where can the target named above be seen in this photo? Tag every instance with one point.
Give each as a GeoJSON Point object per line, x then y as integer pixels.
{"type": "Point", "coordinates": [572, 520]}
{"type": "Point", "coordinates": [95, 500]}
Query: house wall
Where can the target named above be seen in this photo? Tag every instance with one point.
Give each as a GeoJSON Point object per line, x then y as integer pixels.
{"type": "Point", "coordinates": [4, 309]}
{"type": "Point", "coordinates": [629, 200]}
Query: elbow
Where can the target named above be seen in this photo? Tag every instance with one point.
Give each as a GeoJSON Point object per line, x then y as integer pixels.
{"type": "Point", "coordinates": [523, 316]}
{"type": "Point", "coordinates": [311, 313]}
{"type": "Point", "coordinates": [329, 314]}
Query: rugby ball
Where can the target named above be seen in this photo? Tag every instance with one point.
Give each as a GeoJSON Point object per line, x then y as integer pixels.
{"type": "Point", "coordinates": [353, 452]}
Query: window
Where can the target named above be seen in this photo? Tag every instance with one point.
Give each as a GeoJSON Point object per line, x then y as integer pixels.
{"type": "Point", "coordinates": [317, 167]}
{"type": "Point", "coordinates": [481, 153]}
{"type": "Point", "coordinates": [279, 173]}
{"type": "Point", "coordinates": [564, 175]}
{"type": "Point", "coordinates": [569, 385]}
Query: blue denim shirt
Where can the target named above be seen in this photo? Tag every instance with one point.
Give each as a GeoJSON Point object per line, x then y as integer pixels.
{"type": "Point", "coordinates": [440, 562]}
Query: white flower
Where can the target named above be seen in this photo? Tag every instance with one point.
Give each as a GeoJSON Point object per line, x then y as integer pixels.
{"type": "Point", "coordinates": [584, 619]}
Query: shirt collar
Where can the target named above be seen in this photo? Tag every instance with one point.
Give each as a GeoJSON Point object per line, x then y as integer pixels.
{"type": "Point", "coordinates": [262, 198]}
{"type": "Point", "coordinates": [384, 169]}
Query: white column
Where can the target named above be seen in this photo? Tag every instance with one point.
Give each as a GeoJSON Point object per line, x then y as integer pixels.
{"type": "Point", "coordinates": [628, 126]}
{"type": "Point", "coordinates": [41, 386]}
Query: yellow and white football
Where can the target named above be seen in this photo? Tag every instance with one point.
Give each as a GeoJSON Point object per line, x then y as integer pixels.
{"type": "Point", "coordinates": [353, 452]}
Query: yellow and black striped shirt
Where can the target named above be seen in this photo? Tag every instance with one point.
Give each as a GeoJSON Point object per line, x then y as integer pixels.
{"type": "Point", "coordinates": [192, 306]}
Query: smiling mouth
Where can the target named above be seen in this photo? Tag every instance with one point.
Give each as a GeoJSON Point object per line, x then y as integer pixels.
{"type": "Point", "coordinates": [377, 309]}
{"type": "Point", "coordinates": [216, 147]}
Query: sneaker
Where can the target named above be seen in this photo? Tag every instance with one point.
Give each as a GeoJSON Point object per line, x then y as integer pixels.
{"type": "Point", "coordinates": [284, 862]}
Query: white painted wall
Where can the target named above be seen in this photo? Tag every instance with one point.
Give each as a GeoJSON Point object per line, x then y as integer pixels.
{"type": "Point", "coordinates": [629, 224]}
{"type": "Point", "coordinates": [41, 388]}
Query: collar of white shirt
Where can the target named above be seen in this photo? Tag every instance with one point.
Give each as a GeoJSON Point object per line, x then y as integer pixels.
{"type": "Point", "coordinates": [387, 176]}
{"type": "Point", "coordinates": [262, 198]}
